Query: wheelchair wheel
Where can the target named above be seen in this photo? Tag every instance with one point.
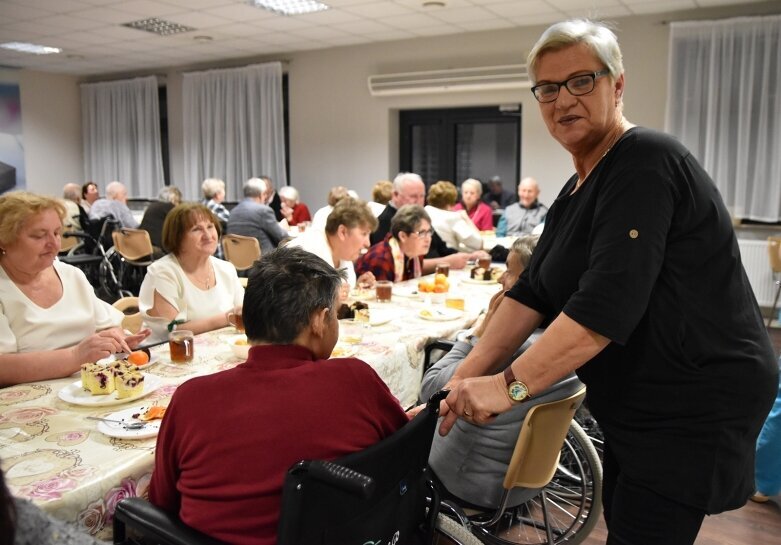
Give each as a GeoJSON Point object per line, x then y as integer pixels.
{"type": "Point", "coordinates": [454, 532]}
{"type": "Point", "coordinates": [109, 279]}
{"type": "Point", "coordinates": [591, 427]}
{"type": "Point", "coordinates": [574, 501]}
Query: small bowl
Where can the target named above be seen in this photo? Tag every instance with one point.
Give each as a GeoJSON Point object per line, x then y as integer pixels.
{"type": "Point", "coordinates": [239, 346]}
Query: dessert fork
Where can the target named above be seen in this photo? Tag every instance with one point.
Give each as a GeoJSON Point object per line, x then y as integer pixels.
{"type": "Point", "coordinates": [126, 425]}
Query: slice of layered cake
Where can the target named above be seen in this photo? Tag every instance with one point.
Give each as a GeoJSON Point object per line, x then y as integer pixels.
{"type": "Point", "coordinates": [129, 383]}
{"type": "Point", "coordinates": [96, 379]}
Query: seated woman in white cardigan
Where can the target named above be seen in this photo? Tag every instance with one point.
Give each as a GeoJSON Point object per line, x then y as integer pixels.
{"type": "Point", "coordinates": [189, 288]}
{"type": "Point", "coordinates": [453, 226]}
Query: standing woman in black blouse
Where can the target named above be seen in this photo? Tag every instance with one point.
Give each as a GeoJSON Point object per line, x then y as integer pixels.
{"type": "Point", "coordinates": [639, 281]}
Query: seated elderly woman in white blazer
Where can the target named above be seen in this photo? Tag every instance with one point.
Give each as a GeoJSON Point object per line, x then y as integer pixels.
{"type": "Point", "coordinates": [453, 226]}
{"type": "Point", "coordinates": [190, 288]}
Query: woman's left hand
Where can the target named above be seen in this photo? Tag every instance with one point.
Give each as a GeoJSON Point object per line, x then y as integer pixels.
{"type": "Point", "coordinates": [366, 280]}
{"type": "Point", "coordinates": [477, 400]}
{"type": "Point", "coordinates": [134, 340]}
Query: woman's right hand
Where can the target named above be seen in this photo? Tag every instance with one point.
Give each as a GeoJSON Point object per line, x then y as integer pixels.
{"type": "Point", "coordinates": [101, 345]}
{"type": "Point", "coordinates": [477, 400]}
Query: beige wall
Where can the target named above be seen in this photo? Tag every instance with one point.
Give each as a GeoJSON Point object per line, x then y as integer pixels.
{"type": "Point", "coordinates": [51, 125]}
{"type": "Point", "coordinates": [339, 134]}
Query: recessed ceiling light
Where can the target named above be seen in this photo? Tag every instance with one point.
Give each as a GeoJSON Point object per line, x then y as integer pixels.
{"type": "Point", "coordinates": [158, 26]}
{"type": "Point", "coordinates": [290, 7]}
{"type": "Point", "coordinates": [31, 48]}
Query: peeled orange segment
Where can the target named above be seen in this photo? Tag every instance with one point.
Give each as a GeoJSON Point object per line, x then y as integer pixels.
{"type": "Point", "coordinates": [154, 412]}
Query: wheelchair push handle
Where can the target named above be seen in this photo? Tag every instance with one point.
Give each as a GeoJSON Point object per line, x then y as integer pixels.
{"type": "Point", "coordinates": [342, 477]}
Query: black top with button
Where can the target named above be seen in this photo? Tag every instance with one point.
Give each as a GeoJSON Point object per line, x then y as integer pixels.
{"type": "Point", "coordinates": [644, 253]}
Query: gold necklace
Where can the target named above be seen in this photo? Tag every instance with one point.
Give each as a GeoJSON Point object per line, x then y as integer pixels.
{"type": "Point", "coordinates": [206, 283]}
{"type": "Point", "coordinates": [610, 145]}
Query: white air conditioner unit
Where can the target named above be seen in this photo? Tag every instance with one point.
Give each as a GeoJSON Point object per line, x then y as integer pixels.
{"type": "Point", "coordinates": [485, 78]}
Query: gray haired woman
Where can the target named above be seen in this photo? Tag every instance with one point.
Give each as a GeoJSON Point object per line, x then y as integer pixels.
{"type": "Point", "coordinates": [400, 256]}
{"type": "Point", "coordinates": [639, 280]}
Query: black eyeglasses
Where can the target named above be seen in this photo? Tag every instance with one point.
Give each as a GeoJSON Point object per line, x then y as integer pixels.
{"type": "Point", "coordinates": [576, 85]}
{"type": "Point", "coordinates": [423, 233]}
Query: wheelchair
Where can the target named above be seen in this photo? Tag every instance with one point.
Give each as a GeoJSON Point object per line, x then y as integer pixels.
{"type": "Point", "coordinates": [565, 510]}
{"type": "Point", "coordinates": [382, 495]}
{"type": "Point", "coordinates": [93, 258]}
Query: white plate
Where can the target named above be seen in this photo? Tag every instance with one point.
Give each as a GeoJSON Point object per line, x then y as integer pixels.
{"type": "Point", "coordinates": [406, 291]}
{"type": "Point", "coordinates": [150, 429]}
{"type": "Point", "coordinates": [239, 350]}
{"type": "Point", "coordinates": [478, 281]}
{"type": "Point", "coordinates": [76, 395]}
{"type": "Point", "coordinates": [343, 351]}
{"type": "Point", "coordinates": [441, 314]}
{"type": "Point", "coordinates": [376, 317]}
{"type": "Point", "coordinates": [153, 359]}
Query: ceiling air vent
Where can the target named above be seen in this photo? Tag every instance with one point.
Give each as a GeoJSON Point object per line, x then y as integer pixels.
{"type": "Point", "coordinates": [484, 78]}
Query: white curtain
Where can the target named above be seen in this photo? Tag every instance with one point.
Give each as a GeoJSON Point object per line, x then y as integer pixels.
{"type": "Point", "coordinates": [724, 104]}
{"type": "Point", "coordinates": [121, 134]}
{"type": "Point", "coordinates": [233, 127]}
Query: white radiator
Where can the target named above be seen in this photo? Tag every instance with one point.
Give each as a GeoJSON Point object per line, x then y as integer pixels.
{"type": "Point", "coordinates": [757, 265]}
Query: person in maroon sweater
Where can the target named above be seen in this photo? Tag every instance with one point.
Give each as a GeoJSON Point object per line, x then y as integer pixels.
{"type": "Point", "coordinates": [228, 439]}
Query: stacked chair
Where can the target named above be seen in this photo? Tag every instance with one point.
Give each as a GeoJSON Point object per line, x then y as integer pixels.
{"type": "Point", "coordinates": [131, 254]}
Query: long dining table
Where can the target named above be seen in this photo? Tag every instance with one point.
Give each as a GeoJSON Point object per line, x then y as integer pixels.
{"type": "Point", "coordinates": [53, 455]}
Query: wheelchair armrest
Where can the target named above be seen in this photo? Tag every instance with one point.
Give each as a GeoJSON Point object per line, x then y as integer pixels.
{"type": "Point", "coordinates": [439, 344]}
{"type": "Point", "coordinates": [338, 476]}
{"type": "Point", "coordinates": [76, 234]}
{"type": "Point", "coordinates": [151, 521]}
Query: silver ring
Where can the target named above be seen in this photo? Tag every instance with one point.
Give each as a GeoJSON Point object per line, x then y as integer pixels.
{"type": "Point", "coordinates": [467, 413]}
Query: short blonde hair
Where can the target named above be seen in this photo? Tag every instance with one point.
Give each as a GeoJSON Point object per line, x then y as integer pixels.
{"type": "Point", "coordinates": [524, 246]}
{"type": "Point", "coordinates": [212, 186]}
{"type": "Point", "coordinates": [179, 220]}
{"type": "Point", "coordinates": [442, 194]}
{"type": "Point", "coordinates": [17, 207]}
{"type": "Point", "coordinates": [596, 35]}
{"type": "Point", "coordinates": [350, 213]}
{"type": "Point", "coordinates": [336, 194]}
{"type": "Point", "coordinates": [382, 191]}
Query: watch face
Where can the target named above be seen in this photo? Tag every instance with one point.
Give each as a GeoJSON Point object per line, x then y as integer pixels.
{"type": "Point", "coordinates": [517, 391]}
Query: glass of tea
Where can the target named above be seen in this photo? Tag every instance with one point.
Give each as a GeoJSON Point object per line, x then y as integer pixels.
{"type": "Point", "coordinates": [443, 268]}
{"type": "Point", "coordinates": [236, 320]}
{"type": "Point", "coordinates": [484, 262]}
{"type": "Point", "coordinates": [181, 343]}
{"type": "Point", "coordinates": [383, 290]}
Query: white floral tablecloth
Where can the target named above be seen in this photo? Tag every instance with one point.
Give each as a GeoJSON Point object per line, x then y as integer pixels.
{"type": "Point", "coordinates": [52, 455]}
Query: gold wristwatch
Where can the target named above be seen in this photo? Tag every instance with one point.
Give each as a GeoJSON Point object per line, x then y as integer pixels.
{"type": "Point", "coordinates": [517, 391]}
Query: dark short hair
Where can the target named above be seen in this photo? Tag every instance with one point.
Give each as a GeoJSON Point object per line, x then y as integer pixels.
{"type": "Point", "coordinates": [286, 286]}
{"type": "Point", "coordinates": [407, 219]}
{"type": "Point", "coordinates": [85, 187]}
{"type": "Point", "coordinates": [180, 219]}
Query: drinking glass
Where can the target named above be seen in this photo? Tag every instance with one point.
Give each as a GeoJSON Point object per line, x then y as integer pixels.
{"type": "Point", "coordinates": [181, 343]}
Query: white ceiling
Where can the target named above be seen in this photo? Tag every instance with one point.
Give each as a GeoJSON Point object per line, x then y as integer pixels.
{"type": "Point", "coordinates": [93, 41]}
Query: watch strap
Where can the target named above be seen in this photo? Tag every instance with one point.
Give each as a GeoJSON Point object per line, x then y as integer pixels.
{"type": "Point", "coordinates": [509, 376]}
